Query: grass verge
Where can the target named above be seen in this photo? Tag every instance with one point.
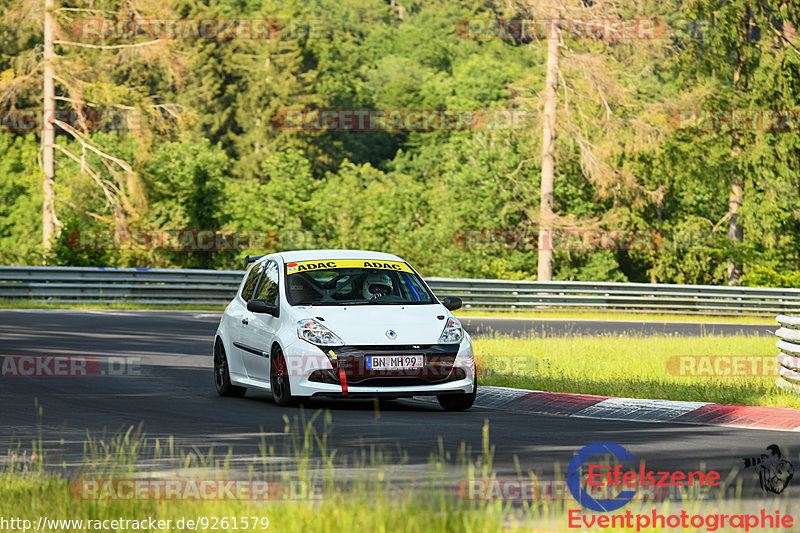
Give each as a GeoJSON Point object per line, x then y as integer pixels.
{"type": "Point", "coordinates": [620, 316]}
{"type": "Point", "coordinates": [639, 367]}
{"type": "Point", "coordinates": [356, 495]}
{"type": "Point", "coordinates": [553, 315]}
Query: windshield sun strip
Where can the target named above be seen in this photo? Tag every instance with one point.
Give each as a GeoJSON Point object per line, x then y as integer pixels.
{"type": "Point", "coordinates": [407, 276]}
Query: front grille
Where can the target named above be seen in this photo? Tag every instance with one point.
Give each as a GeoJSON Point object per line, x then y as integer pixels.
{"type": "Point", "coordinates": [378, 380]}
{"type": "Point", "coordinates": [395, 382]}
{"type": "Point", "coordinates": [439, 361]}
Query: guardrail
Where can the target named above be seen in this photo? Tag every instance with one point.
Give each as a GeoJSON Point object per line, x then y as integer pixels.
{"type": "Point", "coordinates": [157, 286]}
{"type": "Point", "coordinates": [216, 287]}
{"type": "Point", "coordinates": [789, 360]}
{"type": "Point", "coordinates": [642, 297]}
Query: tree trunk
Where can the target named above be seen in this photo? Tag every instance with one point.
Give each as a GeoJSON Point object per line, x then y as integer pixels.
{"type": "Point", "coordinates": [546, 218]}
{"type": "Point", "coordinates": [735, 230]}
{"type": "Point", "coordinates": [48, 131]}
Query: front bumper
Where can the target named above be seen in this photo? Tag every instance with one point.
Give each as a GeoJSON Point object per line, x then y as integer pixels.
{"type": "Point", "coordinates": [341, 371]}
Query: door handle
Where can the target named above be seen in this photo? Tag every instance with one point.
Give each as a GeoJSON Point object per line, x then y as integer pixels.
{"type": "Point", "coordinates": [245, 321]}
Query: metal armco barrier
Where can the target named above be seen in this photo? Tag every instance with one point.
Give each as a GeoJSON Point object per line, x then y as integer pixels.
{"type": "Point", "coordinates": [160, 286]}
{"type": "Point", "coordinates": [789, 360]}
{"type": "Point", "coordinates": [157, 286]}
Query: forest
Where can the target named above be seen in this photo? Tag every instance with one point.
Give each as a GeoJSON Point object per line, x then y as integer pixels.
{"type": "Point", "coordinates": [407, 126]}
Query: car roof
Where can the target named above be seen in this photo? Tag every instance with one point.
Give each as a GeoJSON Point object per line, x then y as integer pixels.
{"type": "Point", "coordinates": [309, 255]}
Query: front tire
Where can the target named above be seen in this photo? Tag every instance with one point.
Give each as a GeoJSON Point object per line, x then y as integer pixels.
{"type": "Point", "coordinates": [459, 402]}
{"type": "Point", "coordinates": [279, 380]}
{"type": "Point", "coordinates": [222, 377]}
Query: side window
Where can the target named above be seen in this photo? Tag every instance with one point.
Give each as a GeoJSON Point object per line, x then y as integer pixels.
{"type": "Point", "coordinates": [268, 288]}
{"type": "Point", "coordinates": [418, 292]}
{"type": "Point", "coordinates": [250, 283]}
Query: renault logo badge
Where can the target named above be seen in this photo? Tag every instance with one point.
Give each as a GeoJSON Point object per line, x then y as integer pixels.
{"type": "Point", "coordinates": [391, 334]}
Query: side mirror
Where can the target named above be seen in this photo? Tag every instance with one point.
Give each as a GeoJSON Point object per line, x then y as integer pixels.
{"type": "Point", "coordinates": [260, 306]}
{"type": "Point", "coordinates": [452, 303]}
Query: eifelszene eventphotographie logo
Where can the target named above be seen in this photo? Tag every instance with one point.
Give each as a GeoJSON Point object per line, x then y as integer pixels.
{"type": "Point", "coordinates": [617, 477]}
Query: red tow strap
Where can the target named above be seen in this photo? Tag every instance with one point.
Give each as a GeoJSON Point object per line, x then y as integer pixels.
{"type": "Point", "coordinates": [343, 379]}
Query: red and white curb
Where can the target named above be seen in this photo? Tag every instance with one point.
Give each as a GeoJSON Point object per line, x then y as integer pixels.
{"type": "Point", "coordinates": [632, 409]}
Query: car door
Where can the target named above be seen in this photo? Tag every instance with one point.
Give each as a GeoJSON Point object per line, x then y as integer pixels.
{"type": "Point", "coordinates": [261, 328]}
{"type": "Point", "coordinates": [240, 318]}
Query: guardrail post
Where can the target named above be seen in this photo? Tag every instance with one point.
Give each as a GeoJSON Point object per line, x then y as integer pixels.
{"type": "Point", "coordinates": [789, 360]}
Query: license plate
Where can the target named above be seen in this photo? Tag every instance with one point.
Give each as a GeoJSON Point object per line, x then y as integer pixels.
{"type": "Point", "coordinates": [394, 362]}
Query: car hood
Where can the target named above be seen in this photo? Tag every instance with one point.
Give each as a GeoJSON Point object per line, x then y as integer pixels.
{"type": "Point", "coordinates": [369, 324]}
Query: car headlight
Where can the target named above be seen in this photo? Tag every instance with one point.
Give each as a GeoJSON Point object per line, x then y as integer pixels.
{"type": "Point", "coordinates": [312, 331]}
{"type": "Point", "coordinates": [453, 333]}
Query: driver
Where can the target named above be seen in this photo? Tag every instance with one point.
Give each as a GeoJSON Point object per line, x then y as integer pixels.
{"type": "Point", "coordinates": [376, 285]}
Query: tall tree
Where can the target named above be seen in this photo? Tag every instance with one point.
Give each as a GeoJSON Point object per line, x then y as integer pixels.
{"type": "Point", "coordinates": [549, 120]}
{"type": "Point", "coordinates": [48, 132]}
{"type": "Point", "coordinates": [78, 77]}
{"type": "Point", "coordinates": [598, 118]}
{"type": "Point", "coordinates": [749, 60]}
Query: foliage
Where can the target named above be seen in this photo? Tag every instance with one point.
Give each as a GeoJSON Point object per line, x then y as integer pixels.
{"type": "Point", "coordinates": [762, 276]}
{"type": "Point", "coordinates": [20, 201]}
{"type": "Point", "coordinates": [207, 150]}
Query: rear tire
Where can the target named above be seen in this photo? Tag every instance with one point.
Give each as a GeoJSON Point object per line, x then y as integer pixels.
{"type": "Point", "coordinates": [279, 380]}
{"type": "Point", "coordinates": [459, 402]}
{"type": "Point", "coordinates": [222, 377]}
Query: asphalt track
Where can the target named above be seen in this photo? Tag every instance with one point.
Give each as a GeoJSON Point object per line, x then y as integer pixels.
{"type": "Point", "coordinates": [169, 392]}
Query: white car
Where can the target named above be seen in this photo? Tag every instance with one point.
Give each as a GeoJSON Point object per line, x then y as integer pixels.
{"type": "Point", "coordinates": [342, 324]}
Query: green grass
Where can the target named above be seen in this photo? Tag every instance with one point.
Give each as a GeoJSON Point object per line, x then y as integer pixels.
{"type": "Point", "coordinates": [358, 493]}
{"type": "Point", "coordinates": [594, 314]}
{"type": "Point", "coordinates": [627, 367]}
{"type": "Point", "coordinates": [588, 314]}
{"type": "Point", "coordinates": [376, 507]}
{"type": "Point", "coordinates": [365, 510]}
{"type": "Point", "coordinates": [365, 499]}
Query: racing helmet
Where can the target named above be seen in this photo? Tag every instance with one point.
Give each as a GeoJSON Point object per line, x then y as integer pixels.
{"type": "Point", "coordinates": [376, 285]}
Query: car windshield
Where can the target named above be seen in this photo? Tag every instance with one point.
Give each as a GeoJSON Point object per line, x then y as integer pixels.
{"type": "Point", "coordinates": [354, 282]}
